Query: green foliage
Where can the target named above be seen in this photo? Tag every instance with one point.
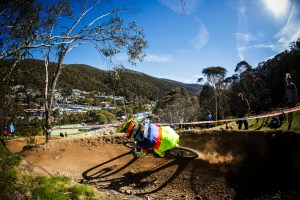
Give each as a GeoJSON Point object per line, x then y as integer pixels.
{"type": "Point", "coordinates": [86, 78]}
{"type": "Point", "coordinates": [45, 188]}
{"type": "Point", "coordinates": [28, 130]}
{"type": "Point", "coordinates": [296, 120]}
{"type": "Point", "coordinates": [78, 191]}
{"type": "Point", "coordinates": [8, 174]}
{"type": "Point", "coordinates": [214, 75]}
{"type": "Point", "coordinates": [102, 118]}
{"type": "Point", "coordinates": [260, 85]}
{"type": "Point", "coordinates": [177, 106]}
{"type": "Point", "coordinates": [30, 141]}
{"type": "Point", "coordinates": [267, 80]}
{"type": "Point", "coordinates": [207, 100]}
{"type": "Point", "coordinates": [262, 124]}
{"type": "Point", "coordinates": [59, 188]}
{"type": "Point", "coordinates": [18, 25]}
{"type": "Point", "coordinates": [17, 186]}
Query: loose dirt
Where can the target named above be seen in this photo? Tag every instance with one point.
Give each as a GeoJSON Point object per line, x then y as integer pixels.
{"type": "Point", "coordinates": [232, 165]}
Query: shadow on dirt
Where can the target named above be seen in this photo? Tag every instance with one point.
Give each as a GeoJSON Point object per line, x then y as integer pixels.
{"type": "Point", "coordinates": [102, 173]}
{"type": "Point", "coordinates": [143, 182]}
{"type": "Point", "coordinates": [270, 166]}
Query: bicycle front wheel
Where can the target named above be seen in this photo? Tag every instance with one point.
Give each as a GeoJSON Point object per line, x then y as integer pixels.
{"type": "Point", "coordinates": [129, 144]}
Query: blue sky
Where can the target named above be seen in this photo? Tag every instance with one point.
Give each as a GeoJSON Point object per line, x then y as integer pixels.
{"type": "Point", "coordinates": [186, 37]}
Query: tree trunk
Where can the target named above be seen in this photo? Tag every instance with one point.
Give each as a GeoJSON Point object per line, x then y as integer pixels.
{"type": "Point", "coordinates": [50, 98]}
{"type": "Point", "coordinates": [216, 123]}
{"type": "Point", "coordinates": [48, 126]}
{"type": "Point", "coordinates": [47, 105]}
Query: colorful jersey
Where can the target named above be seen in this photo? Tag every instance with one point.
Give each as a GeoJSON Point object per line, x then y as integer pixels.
{"type": "Point", "coordinates": [150, 136]}
{"type": "Point", "coordinates": [160, 138]}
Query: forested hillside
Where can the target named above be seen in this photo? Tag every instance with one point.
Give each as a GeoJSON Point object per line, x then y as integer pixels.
{"type": "Point", "coordinates": [83, 77]}
{"type": "Point", "coordinates": [263, 85]}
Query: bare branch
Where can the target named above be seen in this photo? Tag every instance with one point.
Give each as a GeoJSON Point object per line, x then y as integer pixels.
{"type": "Point", "coordinates": [81, 16]}
{"type": "Point", "coordinates": [10, 71]}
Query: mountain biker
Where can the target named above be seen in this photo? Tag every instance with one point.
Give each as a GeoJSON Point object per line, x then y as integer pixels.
{"type": "Point", "coordinates": [150, 136]}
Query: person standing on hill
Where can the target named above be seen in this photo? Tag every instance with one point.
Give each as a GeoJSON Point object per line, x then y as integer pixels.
{"type": "Point", "coordinates": [207, 117]}
{"type": "Point", "coordinates": [290, 97]}
{"type": "Point", "coordinates": [11, 129]}
{"type": "Point", "coordinates": [5, 130]}
{"type": "Point", "coordinates": [243, 109]}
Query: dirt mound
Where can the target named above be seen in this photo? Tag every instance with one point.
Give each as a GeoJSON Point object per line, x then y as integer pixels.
{"type": "Point", "coordinates": [232, 165]}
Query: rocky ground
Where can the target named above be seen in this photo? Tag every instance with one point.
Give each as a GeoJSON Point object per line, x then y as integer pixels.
{"type": "Point", "coordinates": [232, 165]}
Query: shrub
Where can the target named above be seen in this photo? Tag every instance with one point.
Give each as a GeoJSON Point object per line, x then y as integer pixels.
{"type": "Point", "coordinates": [8, 175]}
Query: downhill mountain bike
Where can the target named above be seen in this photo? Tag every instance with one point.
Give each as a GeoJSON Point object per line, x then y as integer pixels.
{"type": "Point", "coordinates": [175, 152]}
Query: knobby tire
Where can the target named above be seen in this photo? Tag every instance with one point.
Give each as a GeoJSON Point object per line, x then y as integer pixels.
{"type": "Point", "coordinates": [184, 152]}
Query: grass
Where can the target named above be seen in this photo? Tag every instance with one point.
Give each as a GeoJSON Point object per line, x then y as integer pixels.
{"type": "Point", "coordinates": [64, 129]}
{"type": "Point", "coordinates": [262, 124]}
{"type": "Point", "coordinates": [8, 175]}
{"type": "Point", "coordinates": [61, 188]}
{"type": "Point", "coordinates": [68, 131]}
{"type": "Point", "coordinates": [22, 184]}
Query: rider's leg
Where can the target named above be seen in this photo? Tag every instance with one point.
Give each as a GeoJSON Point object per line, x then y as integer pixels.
{"type": "Point", "coordinates": [160, 153]}
{"type": "Point", "coordinates": [246, 124]}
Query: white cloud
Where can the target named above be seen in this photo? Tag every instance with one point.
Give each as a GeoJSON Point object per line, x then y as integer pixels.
{"type": "Point", "coordinates": [245, 37]}
{"type": "Point", "coordinates": [240, 51]}
{"type": "Point", "coordinates": [257, 46]}
{"type": "Point", "coordinates": [291, 30]}
{"type": "Point", "coordinates": [122, 57]}
{"type": "Point", "coordinates": [242, 36]}
{"type": "Point", "coordinates": [179, 78]}
{"type": "Point", "coordinates": [181, 6]}
{"type": "Point", "coordinates": [246, 41]}
{"type": "Point", "coordinates": [201, 39]}
{"type": "Point", "coordinates": [157, 58]}
{"type": "Point", "coordinates": [260, 46]}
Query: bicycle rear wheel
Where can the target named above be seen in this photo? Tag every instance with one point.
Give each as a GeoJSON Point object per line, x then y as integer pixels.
{"type": "Point", "coordinates": [184, 152]}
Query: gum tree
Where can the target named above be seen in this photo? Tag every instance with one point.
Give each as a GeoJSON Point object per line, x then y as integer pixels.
{"type": "Point", "coordinates": [19, 22]}
{"type": "Point", "coordinates": [96, 26]}
{"type": "Point", "coordinates": [215, 77]}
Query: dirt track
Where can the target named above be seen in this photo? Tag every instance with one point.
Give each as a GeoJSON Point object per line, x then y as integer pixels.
{"type": "Point", "coordinates": [232, 165]}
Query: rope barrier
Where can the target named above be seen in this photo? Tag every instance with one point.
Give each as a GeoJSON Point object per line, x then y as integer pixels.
{"type": "Point", "coordinates": [83, 127]}
{"type": "Point", "coordinates": [288, 110]}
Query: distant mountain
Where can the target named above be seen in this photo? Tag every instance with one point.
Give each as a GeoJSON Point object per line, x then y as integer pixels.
{"type": "Point", "coordinates": [191, 88]}
{"type": "Point", "coordinates": [84, 77]}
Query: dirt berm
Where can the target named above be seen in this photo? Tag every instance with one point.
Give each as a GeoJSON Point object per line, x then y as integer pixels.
{"type": "Point", "coordinates": [232, 165]}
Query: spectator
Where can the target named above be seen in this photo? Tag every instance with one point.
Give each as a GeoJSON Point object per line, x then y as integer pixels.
{"type": "Point", "coordinates": [5, 130]}
{"type": "Point", "coordinates": [11, 129]}
{"type": "Point", "coordinates": [228, 126]}
{"type": "Point", "coordinates": [243, 109]}
{"type": "Point", "coordinates": [290, 97]}
{"type": "Point", "coordinates": [208, 117]}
